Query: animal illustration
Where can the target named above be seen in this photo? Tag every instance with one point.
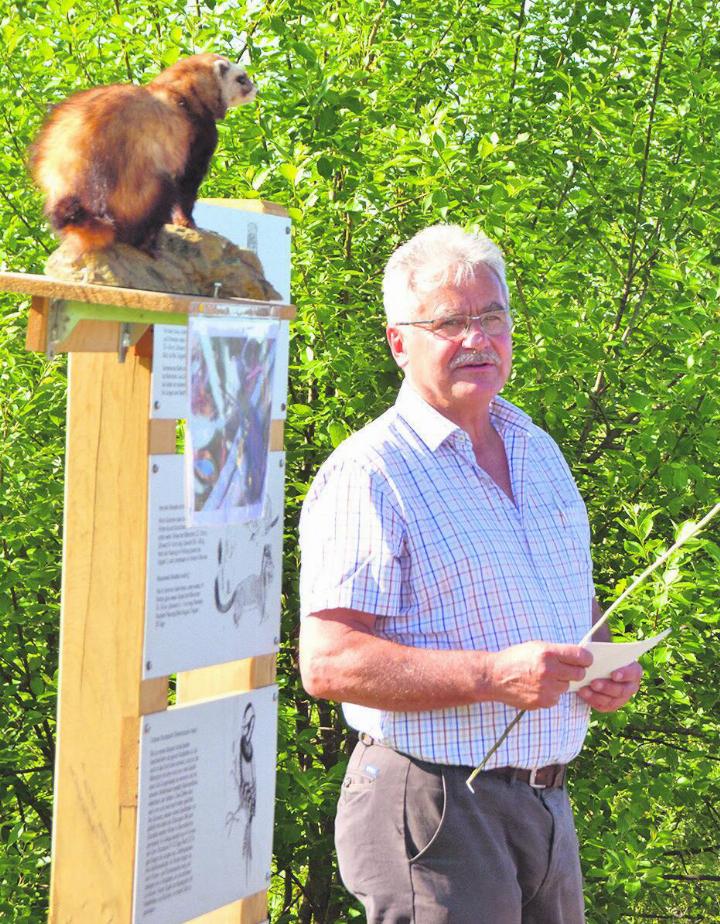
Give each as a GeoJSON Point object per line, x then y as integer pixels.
{"type": "Point", "coordinates": [265, 522]}
{"type": "Point", "coordinates": [116, 163]}
{"type": "Point", "coordinates": [243, 772]}
{"type": "Point", "coordinates": [251, 593]}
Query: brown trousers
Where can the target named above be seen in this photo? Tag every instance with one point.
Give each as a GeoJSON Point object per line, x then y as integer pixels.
{"type": "Point", "coordinates": [415, 846]}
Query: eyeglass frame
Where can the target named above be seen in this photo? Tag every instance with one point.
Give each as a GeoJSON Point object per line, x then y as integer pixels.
{"type": "Point", "coordinates": [469, 318]}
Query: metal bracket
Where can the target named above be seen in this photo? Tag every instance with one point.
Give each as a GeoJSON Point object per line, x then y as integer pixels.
{"type": "Point", "coordinates": [65, 314]}
{"type": "Point", "coordinates": [124, 341]}
{"type": "Point", "coordinates": [59, 325]}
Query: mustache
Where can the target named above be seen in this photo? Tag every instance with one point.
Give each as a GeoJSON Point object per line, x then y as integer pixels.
{"type": "Point", "coordinates": [471, 357]}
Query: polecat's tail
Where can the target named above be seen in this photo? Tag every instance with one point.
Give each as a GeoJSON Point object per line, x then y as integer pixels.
{"type": "Point", "coordinates": [75, 223]}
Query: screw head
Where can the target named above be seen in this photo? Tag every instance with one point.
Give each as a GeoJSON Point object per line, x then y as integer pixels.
{"type": "Point", "coordinates": [156, 405]}
{"type": "Point", "coordinates": [156, 469]}
{"type": "Point", "coordinates": [148, 665]}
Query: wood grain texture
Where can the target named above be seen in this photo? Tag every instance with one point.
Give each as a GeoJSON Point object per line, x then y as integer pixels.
{"type": "Point", "coordinates": [154, 695]}
{"type": "Point", "coordinates": [162, 437]}
{"type": "Point", "coordinates": [252, 910]}
{"type": "Point", "coordinates": [277, 435]}
{"type": "Point", "coordinates": [97, 337]}
{"type": "Point", "coordinates": [36, 334]}
{"type": "Point", "coordinates": [48, 287]}
{"type": "Point", "coordinates": [101, 694]}
{"type": "Point", "coordinates": [223, 679]}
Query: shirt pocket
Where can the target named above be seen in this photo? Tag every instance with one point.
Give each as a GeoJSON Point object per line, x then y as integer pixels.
{"type": "Point", "coordinates": [559, 538]}
{"type": "Point", "coordinates": [572, 521]}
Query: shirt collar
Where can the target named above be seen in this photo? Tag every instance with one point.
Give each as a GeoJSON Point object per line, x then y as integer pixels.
{"type": "Point", "coordinates": [434, 428]}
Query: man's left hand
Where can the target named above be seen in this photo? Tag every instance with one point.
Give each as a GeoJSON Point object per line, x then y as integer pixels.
{"type": "Point", "coordinates": [613, 692]}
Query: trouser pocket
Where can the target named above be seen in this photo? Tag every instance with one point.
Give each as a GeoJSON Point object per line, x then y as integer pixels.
{"type": "Point", "coordinates": [369, 833]}
{"type": "Point", "coordinates": [424, 808]}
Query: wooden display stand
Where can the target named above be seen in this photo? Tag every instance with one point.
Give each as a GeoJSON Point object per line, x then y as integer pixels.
{"type": "Point", "coordinates": [102, 696]}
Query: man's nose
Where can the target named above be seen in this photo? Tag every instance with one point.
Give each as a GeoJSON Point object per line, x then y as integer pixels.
{"type": "Point", "coordinates": [475, 335]}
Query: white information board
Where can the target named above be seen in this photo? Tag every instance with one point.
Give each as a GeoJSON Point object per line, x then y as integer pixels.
{"type": "Point", "coordinates": [169, 398]}
{"type": "Point", "coordinates": [205, 806]}
{"type": "Point", "coordinates": [267, 236]}
{"type": "Point", "coordinates": [213, 593]}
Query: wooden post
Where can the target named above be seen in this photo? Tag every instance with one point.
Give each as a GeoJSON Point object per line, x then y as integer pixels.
{"type": "Point", "coordinates": [103, 605]}
{"type": "Point", "coordinates": [102, 696]}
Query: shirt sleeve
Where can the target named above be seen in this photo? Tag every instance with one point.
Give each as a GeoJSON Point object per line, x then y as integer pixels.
{"type": "Point", "coordinates": [351, 541]}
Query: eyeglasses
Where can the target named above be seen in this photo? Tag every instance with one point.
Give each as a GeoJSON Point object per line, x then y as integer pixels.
{"type": "Point", "coordinates": [457, 326]}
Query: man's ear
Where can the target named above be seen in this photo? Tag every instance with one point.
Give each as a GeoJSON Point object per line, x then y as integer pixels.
{"type": "Point", "coordinates": [396, 339]}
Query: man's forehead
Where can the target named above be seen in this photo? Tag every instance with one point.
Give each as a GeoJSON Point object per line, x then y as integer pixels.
{"type": "Point", "coordinates": [461, 300]}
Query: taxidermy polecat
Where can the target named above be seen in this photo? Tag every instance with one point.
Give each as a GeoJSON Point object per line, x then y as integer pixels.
{"type": "Point", "coordinates": [116, 163]}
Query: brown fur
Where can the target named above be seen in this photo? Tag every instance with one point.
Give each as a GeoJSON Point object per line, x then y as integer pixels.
{"type": "Point", "coordinates": [118, 162]}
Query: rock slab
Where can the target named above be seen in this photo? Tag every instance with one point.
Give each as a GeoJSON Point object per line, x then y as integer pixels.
{"type": "Point", "coordinates": [189, 261]}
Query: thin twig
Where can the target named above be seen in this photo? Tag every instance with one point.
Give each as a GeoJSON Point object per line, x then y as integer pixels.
{"type": "Point", "coordinates": [649, 570]}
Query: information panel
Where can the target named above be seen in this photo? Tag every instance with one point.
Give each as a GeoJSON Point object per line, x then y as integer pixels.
{"type": "Point", "coordinates": [213, 593]}
{"type": "Point", "coordinates": [205, 806]}
{"type": "Point", "coordinates": [169, 379]}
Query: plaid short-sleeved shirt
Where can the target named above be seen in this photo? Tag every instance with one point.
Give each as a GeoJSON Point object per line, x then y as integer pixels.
{"type": "Point", "coordinates": [403, 523]}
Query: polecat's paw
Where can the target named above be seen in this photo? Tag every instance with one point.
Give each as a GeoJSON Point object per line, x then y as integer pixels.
{"type": "Point", "coordinates": [185, 221]}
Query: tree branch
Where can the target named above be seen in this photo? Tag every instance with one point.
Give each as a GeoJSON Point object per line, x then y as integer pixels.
{"type": "Point", "coordinates": [600, 380]}
{"type": "Point", "coordinates": [516, 58]}
{"type": "Point", "coordinates": [370, 55]}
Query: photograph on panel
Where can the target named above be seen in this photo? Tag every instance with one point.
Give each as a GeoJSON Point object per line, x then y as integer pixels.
{"type": "Point", "coordinates": [230, 382]}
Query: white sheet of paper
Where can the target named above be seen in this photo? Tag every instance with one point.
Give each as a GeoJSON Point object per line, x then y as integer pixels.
{"type": "Point", "coordinates": [609, 656]}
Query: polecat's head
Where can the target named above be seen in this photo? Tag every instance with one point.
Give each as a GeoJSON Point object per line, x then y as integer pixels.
{"type": "Point", "coordinates": [235, 85]}
{"type": "Point", "coordinates": [204, 84]}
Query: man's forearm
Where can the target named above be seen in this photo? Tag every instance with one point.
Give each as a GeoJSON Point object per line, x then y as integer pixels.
{"type": "Point", "coordinates": [349, 663]}
{"type": "Point", "coordinates": [342, 659]}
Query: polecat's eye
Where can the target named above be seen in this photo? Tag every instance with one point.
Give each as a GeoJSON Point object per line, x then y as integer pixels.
{"type": "Point", "coordinates": [244, 79]}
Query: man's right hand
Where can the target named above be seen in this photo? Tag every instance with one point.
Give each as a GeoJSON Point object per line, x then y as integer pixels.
{"type": "Point", "coordinates": [534, 675]}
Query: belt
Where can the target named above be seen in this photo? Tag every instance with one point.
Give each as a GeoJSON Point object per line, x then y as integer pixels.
{"type": "Point", "coordinates": [550, 777]}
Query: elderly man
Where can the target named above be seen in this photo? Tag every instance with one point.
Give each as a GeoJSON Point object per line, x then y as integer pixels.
{"type": "Point", "coordinates": [446, 579]}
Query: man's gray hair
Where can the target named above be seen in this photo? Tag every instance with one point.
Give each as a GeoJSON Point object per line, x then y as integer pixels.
{"type": "Point", "coordinates": [437, 256]}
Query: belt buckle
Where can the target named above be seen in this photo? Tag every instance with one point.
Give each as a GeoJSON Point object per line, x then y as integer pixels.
{"type": "Point", "coordinates": [532, 781]}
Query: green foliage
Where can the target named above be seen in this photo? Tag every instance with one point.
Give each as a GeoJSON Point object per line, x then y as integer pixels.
{"type": "Point", "coordinates": [31, 450]}
{"type": "Point", "coordinates": [584, 139]}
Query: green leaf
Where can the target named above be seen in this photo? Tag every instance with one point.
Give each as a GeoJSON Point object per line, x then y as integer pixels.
{"type": "Point", "coordinates": [337, 432]}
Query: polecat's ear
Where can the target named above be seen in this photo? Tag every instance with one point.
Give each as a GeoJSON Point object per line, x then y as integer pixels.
{"type": "Point", "coordinates": [221, 67]}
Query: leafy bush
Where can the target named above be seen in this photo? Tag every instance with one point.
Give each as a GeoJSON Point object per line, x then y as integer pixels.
{"type": "Point", "coordinates": [584, 139]}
